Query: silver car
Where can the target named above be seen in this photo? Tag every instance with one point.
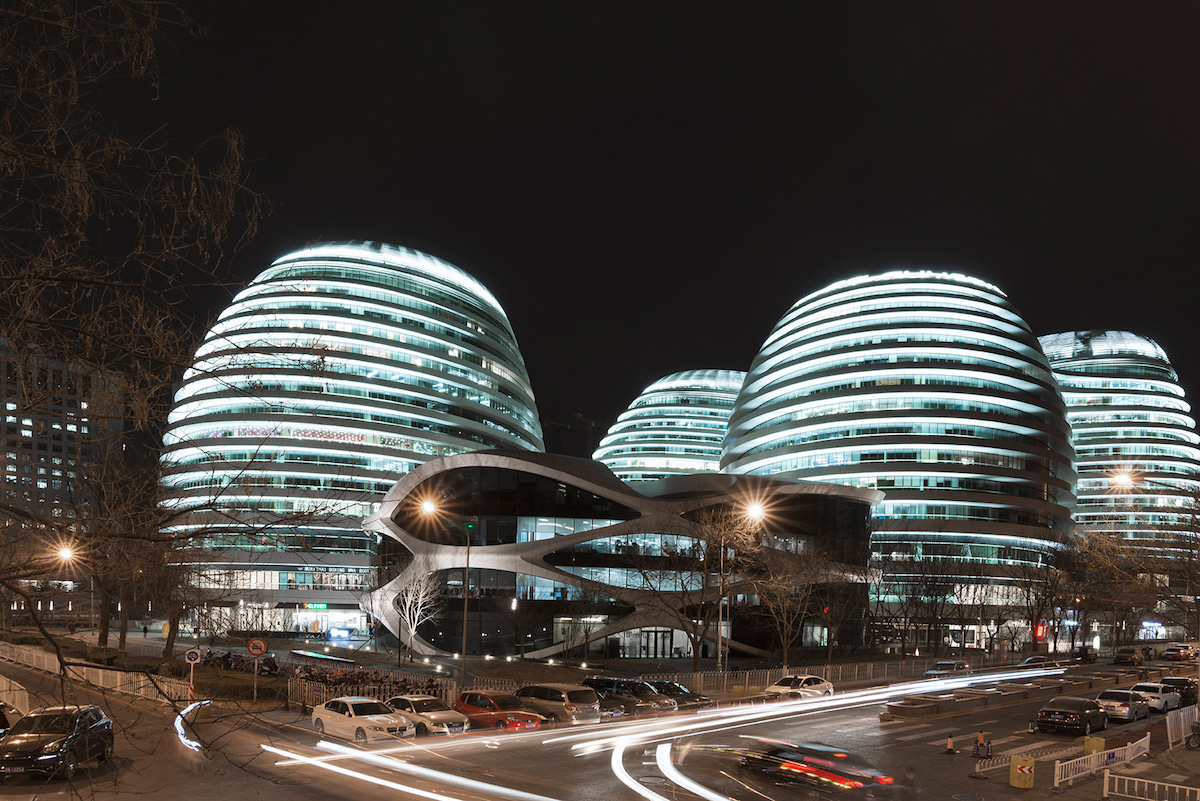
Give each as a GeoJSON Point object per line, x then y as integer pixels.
{"type": "Point", "coordinates": [1124, 704]}
{"type": "Point", "coordinates": [561, 703]}
{"type": "Point", "coordinates": [430, 714]}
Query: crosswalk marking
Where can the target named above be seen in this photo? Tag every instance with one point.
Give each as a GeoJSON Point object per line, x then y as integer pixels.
{"type": "Point", "coordinates": [1031, 746]}
{"type": "Point", "coordinates": [1173, 778]}
{"type": "Point", "coordinates": [926, 734]}
{"type": "Point", "coordinates": [1004, 740]}
{"type": "Point", "coordinates": [910, 727]}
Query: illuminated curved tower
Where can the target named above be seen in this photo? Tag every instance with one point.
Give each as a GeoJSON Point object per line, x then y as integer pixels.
{"type": "Point", "coordinates": [675, 426]}
{"type": "Point", "coordinates": [1135, 439]}
{"type": "Point", "coordinates": [338, 368]}
{"type": "Point", "coordinates": [930, 387]}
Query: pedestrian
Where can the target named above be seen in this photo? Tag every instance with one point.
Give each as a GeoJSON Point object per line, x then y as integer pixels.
{"type": "Point", "coordinates": [908, 789]}
{"type": "Point", "coordinates": [145, 631]}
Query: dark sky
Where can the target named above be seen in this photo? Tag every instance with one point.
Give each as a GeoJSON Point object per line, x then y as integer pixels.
{"type": "Point", "coordinates": [647, 187]}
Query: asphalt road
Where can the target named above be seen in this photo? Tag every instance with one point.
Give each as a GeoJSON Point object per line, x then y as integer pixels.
{"type": "Point", "coordinates": [244, 756]}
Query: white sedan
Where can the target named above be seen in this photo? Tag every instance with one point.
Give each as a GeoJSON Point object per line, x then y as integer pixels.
{"type": "Point", "coordinates": [360, 719]}
{"type": "Point", "coordinates": [431, 715]}
{"type": "Point", "coordinates": [1160, 696]}
{"type": "Point", "coordinates": [800, 686]}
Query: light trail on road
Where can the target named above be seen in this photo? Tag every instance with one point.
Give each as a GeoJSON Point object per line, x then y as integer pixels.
{"type": "Point", "coordinates": [619, 738]}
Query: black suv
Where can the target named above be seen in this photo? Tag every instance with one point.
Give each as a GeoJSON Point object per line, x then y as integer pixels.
{"type": "Point", "coordinates": [683, 697]}
{"type": "Point", "coordinates": [55, 739]}
{"type": "Point", "coordinates": [638, 697]}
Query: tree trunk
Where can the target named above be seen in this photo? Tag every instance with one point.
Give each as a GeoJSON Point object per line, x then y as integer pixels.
{"type": "Point", "coordinates": [172, 627]}
{"type": "Point", "coordinates": [124, 632]}
{"type": "Point", "coordinates": [103, 616]}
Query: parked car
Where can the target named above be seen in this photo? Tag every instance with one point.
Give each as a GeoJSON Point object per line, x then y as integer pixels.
{"type": "Point", "coordinates": [1185, 687]}
{"type": "Point", "coordinates": [561, 703]}
{"type": "Point", "coordinates": [1123, 704]}
{"type": "Point", "coordinates": [610, 708]}
{"type": "Point", "coordinates": [431, 714]}
{"type": "Point", "coordinates": [1162, 698]}
{"type": "Point", "coordinates": [1073, 714]}
{"type": "Point", "coordinates": [948, 668]}
{"type": "Point", "coordinates": [360, 718]}
{"type": "Point", "coordinates": [1128, 655]}
{"type": "Point", "coordinates": [55, 740]}
{"type": "Point", "coordinates": [682, 696]}
{"type": "Point", "coordinates": [1186, 649]}
{"type": "Point", "coordinates": [638, 697]}
{"type": "Point", "coordinates": [816, 767]}
{"type": "Point", "coordinates": [1084, 653]}
{"type": "Point", "coordinates": [497, 710]}
{"type": "Point", "coordinates": [800, 685]}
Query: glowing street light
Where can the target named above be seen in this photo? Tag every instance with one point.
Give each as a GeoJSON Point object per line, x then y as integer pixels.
{"type": "Point", "coordinates": [429, 508]}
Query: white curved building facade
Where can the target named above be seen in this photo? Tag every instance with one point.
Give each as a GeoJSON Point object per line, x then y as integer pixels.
{"type": "Point", "coordinates": [1136, 446]}
{"type": "Point", "coordinates": [675, 426]}
{"type": "Point", "coordinates": [559, 556]}
{"type": "Point", "coordinates": [337, 368]}
{"type": "Point", "coordinates": [930, 387]}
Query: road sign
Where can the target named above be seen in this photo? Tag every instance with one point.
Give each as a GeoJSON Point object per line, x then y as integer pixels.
{"type": "Point", "coordinates": [257, 646]}
{"type": "Point", "coordinates": [192, 656]}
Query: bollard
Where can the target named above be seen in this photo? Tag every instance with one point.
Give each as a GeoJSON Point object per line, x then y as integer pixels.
{"type": "Point", "coordinates": [1020, 772]}
{"type": "Point", "coordinates": [1032, 728]}
{"type": "Point", "coordinates": [949, 744]}
{"type": "Point", "coordinates": [988, 755]}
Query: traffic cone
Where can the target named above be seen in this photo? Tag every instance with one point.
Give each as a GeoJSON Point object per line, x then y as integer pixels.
{"type": "Point", "coordinates": [949, 744]}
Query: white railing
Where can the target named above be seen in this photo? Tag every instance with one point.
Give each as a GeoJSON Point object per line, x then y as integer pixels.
{"type": "Point", "coordinates": [1132, 787]}
{"type": "Point", "coordinates": [1071, 770]}
{"type": "Point", "coordinates": [14, 695]}
{"type": "Point", "coordinates": [1179, 725]}
{"type": "Point", "coordinates": [314, 693]}
{"type": "Point", "coordinates": [1038, 754]}
{"type": "Point", "coordinates": [158, 688]}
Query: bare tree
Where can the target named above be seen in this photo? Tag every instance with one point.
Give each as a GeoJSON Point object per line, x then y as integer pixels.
{"type": "Point", "coordinates": [420, 600]}
{"type": "Point", "coordinates": [105, 243]}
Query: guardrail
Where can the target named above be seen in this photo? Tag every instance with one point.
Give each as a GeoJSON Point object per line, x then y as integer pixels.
{"type": "Point", "coordinates": [1043, 753]}
{"type": "Point", "coordinates": [1133, 787]}
{"type": "Point", "coordinates": [157, 688]}
{"type": "Point", "coordinates": [1086, 765]}
{"type": "Point", "coordinates": [1179, 725]}
{"type": "Point", "coordinates": [314, 693]}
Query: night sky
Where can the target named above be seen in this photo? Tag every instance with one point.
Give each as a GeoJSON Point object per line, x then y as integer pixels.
{"type": "Point", "coordinates": [647, 187]}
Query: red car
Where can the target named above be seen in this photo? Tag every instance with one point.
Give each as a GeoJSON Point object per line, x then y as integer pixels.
{"type": "Point", "coordinates": [497, 710]}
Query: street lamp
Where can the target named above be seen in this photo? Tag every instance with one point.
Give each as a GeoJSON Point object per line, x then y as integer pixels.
{"type": "Point", "coordinates": [754, 514]}
{"type": "Point", "coordinates": [1128, 479]}
{"type": "Point", "coordinates": [430, 509]}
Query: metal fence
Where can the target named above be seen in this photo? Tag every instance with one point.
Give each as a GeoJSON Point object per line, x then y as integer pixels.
{"type": "Point", "coordinates": [1133, 787]}
{"type": "Point", "coordinates": [713, 681]}
{"type": "Point", "coordinates": [1086, 765]}
{"type": "Point", "coordinates": [1179, 725]}
{"type": "Point", "coordinates": [158, 688]}
{"type": "Point", "coordinates": [14, 695]}
{"type": "Point", "coordinates": [309, 693]}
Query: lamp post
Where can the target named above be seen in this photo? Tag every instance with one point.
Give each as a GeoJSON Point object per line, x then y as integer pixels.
{"type": "Point", "coordinates": [1129, 480]}
{"type": "Point", "coordinates": [754, 514]}
{"type": "Point", "coordinates": [430, 508]}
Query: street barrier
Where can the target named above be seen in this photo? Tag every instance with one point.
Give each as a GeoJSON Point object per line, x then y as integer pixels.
{"type": "Point", "coordinates": [157, 688]}
{"type": "Point", "coordinates": [1132, 787]}
{"type": "Point", "coordinates": [1179, 725]}
{"type": "Point", "coordinates": [1090, 763]}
